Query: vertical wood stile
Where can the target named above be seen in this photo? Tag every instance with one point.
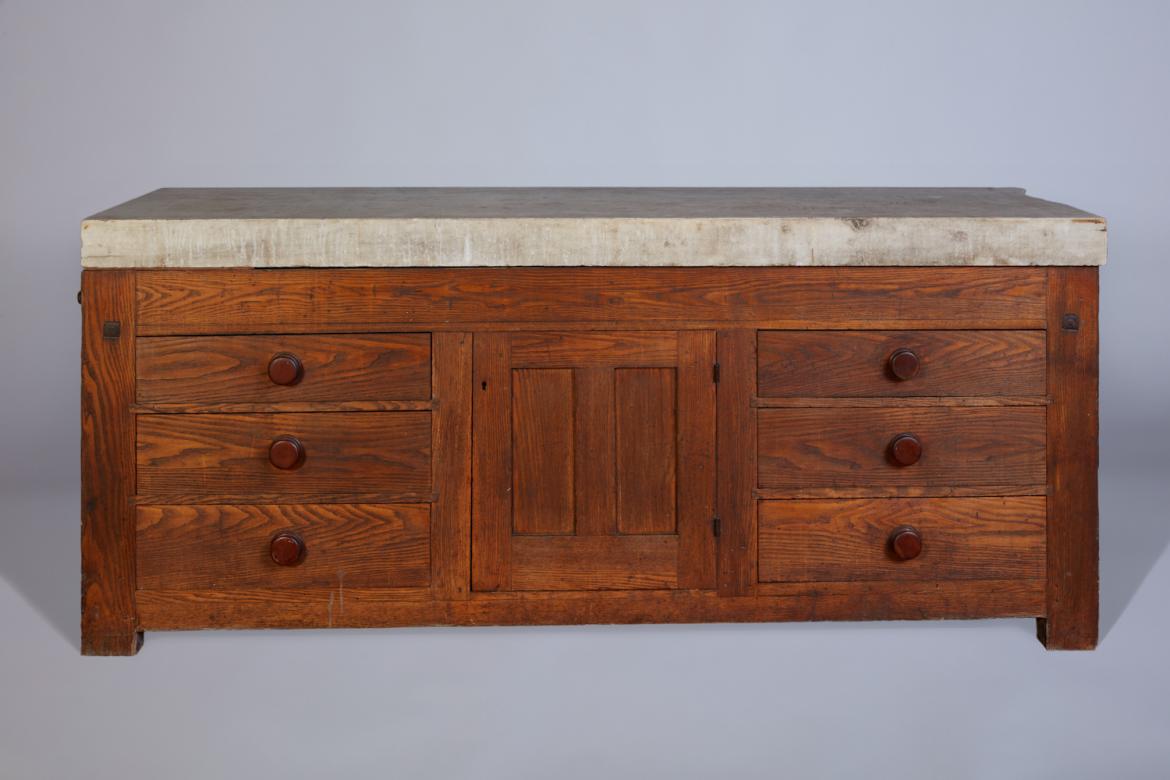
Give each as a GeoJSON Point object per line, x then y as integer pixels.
{"type": "Point", "coordinates": [491, 463]}
{"type": "Point", "coordinates": [1072, 593]}
{"type": "Point", "coordinates": [736, 459]}
{"type": "Point", "coordinates": [451, 453]}
{"type": "Point", "coordinates": [696, 459]}
{"type": "Point", "coordinates": [109, 621]}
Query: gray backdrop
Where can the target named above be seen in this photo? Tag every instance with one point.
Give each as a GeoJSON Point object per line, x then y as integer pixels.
{"type": "Point", "coordinates": [101, 102]}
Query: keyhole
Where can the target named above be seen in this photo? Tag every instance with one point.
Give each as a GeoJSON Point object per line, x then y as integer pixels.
{"type": "Point", "coordinates": [483, 384]}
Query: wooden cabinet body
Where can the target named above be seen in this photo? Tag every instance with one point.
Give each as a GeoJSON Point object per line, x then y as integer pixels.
{"type": "Point", "coordinates": [482, 446]}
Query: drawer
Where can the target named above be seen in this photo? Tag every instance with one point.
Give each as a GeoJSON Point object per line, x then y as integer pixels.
{"type": "Point", "coordinates": [319, 545]}
{"type": "Point", "coordinates": [938, 539]}
{"type": "Point", "coordinates": [847, 364]}
{"type": "Point", "coordinates": [276, 369]}
{"type": "Point", "coordinates": [342, 455]}
{"type": "Point", "coordinates": [850, 447]}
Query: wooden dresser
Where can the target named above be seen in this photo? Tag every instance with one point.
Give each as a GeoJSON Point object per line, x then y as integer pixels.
{"type": "Point", "coordinates": [346, 408]}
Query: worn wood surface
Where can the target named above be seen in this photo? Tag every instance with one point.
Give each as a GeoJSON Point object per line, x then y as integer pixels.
{"type": "Point", "coordinates": [697, 549]}
{"type": "Point", "coordinates": [594, 349]}
{"type": "Point", "coordinates": [233, 369]}
{"type": "Point", "coordinates": [646, 423]}
{"type": "Point", "coordinates": [594, 477]}
{"type": "Point", "coordinates": [735, 459]}
{"type": "Point", "coordinates": [491, 463]}
{"type": "Point", "coordinates": [599, 451]}
{"type": "Point", "coordinates": [542, 451]}
{"type": "Point", "coordinates": [305, 301]}
{"type": "Point", "coordinates": [845, 540]}
{"type": "Point", "coordinates": [594, 562]}
{"type": "Point", "coordinates": [365, 607]}
{"type": "Point", "coordinates": [451, 448]}
{"type": "Point", "coordinates": [227, 546]}
{"type": "Point", "coordinates": [226, 455]}
{"type": "Point", "coordinates": [604, 378]}
{"type": "Point", "coordinates": [855, 363]}
{"type": "Point", "coordinates": [1072, 617]}
{"type": "Point", "coordinates": [847, 448]}
{"type": "Point", "coordinates": [109, 623]}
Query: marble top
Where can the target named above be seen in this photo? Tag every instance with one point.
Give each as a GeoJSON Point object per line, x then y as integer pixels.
{"type": "Point", "coordinates": [352, 227]}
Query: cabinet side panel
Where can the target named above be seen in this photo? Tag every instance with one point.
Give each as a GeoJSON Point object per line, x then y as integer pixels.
{"type": "Point", "coordinates": [109, 623]}
{"type": "Point", "coordinates": [1072, 598]}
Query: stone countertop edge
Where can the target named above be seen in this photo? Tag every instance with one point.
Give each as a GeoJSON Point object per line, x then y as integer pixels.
{"type": "Point", "coordinates": [1049, 235]}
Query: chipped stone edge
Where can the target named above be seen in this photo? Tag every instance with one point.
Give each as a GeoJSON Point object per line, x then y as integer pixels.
{"type": "Point", "coordinates": [519, 242]}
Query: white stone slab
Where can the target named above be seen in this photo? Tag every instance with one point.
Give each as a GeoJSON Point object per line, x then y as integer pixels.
{"type": "Point", "coordinates": [269, 228]}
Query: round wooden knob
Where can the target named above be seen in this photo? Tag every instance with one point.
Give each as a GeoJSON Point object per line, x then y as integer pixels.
{"type": "Point", "coordinates": [285, 369]}
{"type": "Point", "coordinates": [905, 449]}
{"type": "Point", "coordinates": [904, 364]}
{"type": "Point", "coordinates": [286, 453]}
{"type": "Point", "coordinates": [906, 542]}
{"type": "Point", "coordinates": [286, 548]}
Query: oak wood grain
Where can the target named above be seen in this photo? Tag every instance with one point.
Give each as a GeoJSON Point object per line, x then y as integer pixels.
{"type": "Point", "coordinates": [227, 546]}
{"type": "Point", "coordinates": [542, 451]}
{"type": "Point", "coordinates": [369, 607]}
{"type": "Point", "coordinates": [337, 367]}
{"type": "Point", "coordinates": [647, 462]}
{"type": "Point", "coordinates": [696, 460]}
{"type": "Point", "coordinates": [735, 460]}
{"type": "Point", "coordinates": [590, 349]}
{"type": "Point", "coordinates": [109, 622]}
{"type": "Point", "coordinates": [227, 455]}
{"type": "Point", "coordinates": [594, 461]}
{"type": "Point", "coordinates": [1072, 613]}
{"type": "Point", "coordinates": [844, 540]}
{"type": "Point", "coordinates": [594, 562]}
{"type": "Point", "coordinates": [292, 406]}
{"type": "Point", "coordinates": [184, 302]}
{"type": "Point", "coordinates": [848, 448]}
{"type": "Point", "coordinates": [451, 445]}
{"type": "Point", "coordinates": [491, 463]}
{"type": "Point", "coordinates": [899, 403]}
{"type": "Point", "coordinates": [855, 363]}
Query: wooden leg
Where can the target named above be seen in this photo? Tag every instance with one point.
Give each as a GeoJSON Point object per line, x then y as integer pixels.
{"type": "Point", "coordinates": [109, 620]}
{"type": "Point", "coordinates": [1072, 598]}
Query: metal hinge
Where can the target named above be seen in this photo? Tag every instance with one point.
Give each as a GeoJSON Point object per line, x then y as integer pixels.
{"type": "Point", "coordinates": [715, 525]}
{"type": "Point", "coordinates": [715, 374]}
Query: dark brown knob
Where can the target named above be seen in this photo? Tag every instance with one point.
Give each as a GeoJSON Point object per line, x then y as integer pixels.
{"type": "Point", "coordinates": [904, 364]}
{"type": "Point", "coordinates": [285, 369]}
{"type": "Point", "coordinates": [905, 449]}
{"type": "Point", "coordinates": [905, 542]}
{"type": "Point", "coordinates": [286, 453]}
{"type": "Point", "coordinates": [286, 548]}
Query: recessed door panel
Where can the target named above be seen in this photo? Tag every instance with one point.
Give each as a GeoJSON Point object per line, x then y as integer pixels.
{"type": "Point", "coordinates": [593, 461]}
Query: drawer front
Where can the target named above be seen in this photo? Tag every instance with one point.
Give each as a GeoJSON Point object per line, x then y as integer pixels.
{"type": "Point", "coordinates": [846, 540]}
{"type": "Point", "coordinates": [850, 364]}
{"type": "Point", "coordinates": [230, 546]}
{"type": "Point", "coordinates": [851, 447]}
{"type": "Point", "coordinates": [276, 369]}
{"type": "Point", "coordinates": [190, 457]}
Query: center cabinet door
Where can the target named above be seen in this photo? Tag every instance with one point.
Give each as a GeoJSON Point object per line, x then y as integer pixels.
{"type": "Point", "coordinates": [593, 461]}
